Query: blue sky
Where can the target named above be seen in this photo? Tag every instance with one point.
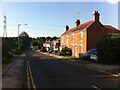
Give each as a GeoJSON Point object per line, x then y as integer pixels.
{"type": "Point", "coordinates": [50, 18]}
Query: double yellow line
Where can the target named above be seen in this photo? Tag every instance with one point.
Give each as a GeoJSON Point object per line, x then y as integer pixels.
{"type": "Point", "coordinates": [30, 80]}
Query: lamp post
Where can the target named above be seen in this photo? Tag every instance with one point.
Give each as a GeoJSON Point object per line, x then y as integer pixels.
{"type": "Point", "coordinates": [18, 34]}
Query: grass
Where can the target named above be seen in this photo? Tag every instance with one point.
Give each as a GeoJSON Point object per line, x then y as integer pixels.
{"type": "Point", "coordinates": [6, 60]}
{"type": "Point", "coordinates": [72, 57]}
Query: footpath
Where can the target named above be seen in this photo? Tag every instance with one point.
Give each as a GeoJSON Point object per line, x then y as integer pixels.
{"type": "Point", "coordinates": [13, 73]}
{"type": "Point", "coordinates": [113, 70]}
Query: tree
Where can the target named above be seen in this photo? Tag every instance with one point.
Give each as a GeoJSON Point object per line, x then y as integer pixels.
{"type": "Point", "coordinates": [48, 38]}
{"type": "Point", "coordinates": [24, 41]}
{"type": "Point", "coordinates": [108, 49]}
{"type": "Point", "coordinates": [54, 38]}
{"type": "Point", "coordinates": [40, 41]}
{"type": "Point", "coordinates": [8, 45]}
{"type": "Point", "coordinates": [66, 51]}
{"type": "Point", "coordinates": [34, 42]}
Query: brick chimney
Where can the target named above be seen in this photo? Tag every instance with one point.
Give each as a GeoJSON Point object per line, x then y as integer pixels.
{"type": "Point", "coordinates": [67, 27]}
{"type": "Point", "coordinates": [77, 22]}
{"type": "Point", "coordinates": [96, 16]}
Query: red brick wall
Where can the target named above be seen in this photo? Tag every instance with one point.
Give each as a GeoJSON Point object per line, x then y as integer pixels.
{"type": "Point", "coordinates": [76, 42]}
{"type": "Point", "coordinates": [94, 33]}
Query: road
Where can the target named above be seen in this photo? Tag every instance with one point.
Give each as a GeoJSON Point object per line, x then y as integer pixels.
{"type": "Point", "coordinates": [49, 72]}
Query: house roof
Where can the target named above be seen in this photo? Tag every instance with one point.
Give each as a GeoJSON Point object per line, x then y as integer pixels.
{"type": "Point", "coordinates": [85, 25]}
{"type": "Point", "coordinates": [80, 27]}
{"type": "Point", "coordinates": [111, 29]}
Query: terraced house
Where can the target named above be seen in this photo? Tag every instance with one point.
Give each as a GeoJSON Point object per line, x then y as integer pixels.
{"type": "Point", "coordinates": [85, 36]}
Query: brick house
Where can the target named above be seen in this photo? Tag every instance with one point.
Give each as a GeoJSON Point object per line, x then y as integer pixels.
{"type": "Point", "coordinates": [85, 36]}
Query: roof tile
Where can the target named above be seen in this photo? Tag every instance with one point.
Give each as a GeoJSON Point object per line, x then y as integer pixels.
{"type": "Point", "coordinates": [111, 29]}
{"type": "Point", "coordinates": [80, 27]}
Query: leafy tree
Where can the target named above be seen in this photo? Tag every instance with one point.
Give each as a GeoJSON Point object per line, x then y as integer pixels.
{"type": "Point", "coordinates": [34, 42]}
{"type": "Point", "coordinates": [24, 41]}
{"type": "Point", "coordinates": [48, 38]}
{"type": "Point", "coordinates": [8, 44]}
{"type": "Point", "coordinates": [66, 51]}
{"type": "Point", "coordinates": [54, 38]}
{"type": "Point", "coordinates": [40, 41]}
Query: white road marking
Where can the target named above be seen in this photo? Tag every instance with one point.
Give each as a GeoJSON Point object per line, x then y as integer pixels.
{"type": "Point", "coordinates": [95, 87]}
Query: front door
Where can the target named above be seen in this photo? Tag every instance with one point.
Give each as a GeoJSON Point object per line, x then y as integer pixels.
{"type": "Point", "coordinates": [76, 51]}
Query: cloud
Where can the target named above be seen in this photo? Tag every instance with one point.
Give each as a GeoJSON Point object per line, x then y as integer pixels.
{"type": "Point", "coordinates": [113, 1]}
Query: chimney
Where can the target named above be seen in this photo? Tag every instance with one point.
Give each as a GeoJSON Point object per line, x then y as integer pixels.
{"type": "Point", "coordinates": [77, 22]}
{"type": "Point", "coordinates": [67, 27]}
{"type": "Point", "coordinates": [96, 16]}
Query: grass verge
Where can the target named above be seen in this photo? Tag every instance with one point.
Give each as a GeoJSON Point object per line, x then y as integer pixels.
{"type": "Point", "coordinates": [6, 60]}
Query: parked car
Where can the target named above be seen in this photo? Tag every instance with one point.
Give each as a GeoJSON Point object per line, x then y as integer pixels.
{"type": "Point", "coordinates": [94, 56]}
{"type": "Point", "coordinates": [10, 54]}
{"type": "Point", "coordinates": [87, 54]}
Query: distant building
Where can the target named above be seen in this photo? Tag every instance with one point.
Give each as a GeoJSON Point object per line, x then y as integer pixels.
{"type": "Point", "coordinates": [52, 45]}
{"type": "Point", "coordinates": [47, 45]}
{"type": "Point", "coordinates": [85, 36]}
{"type": "Point", "coordinates": [55, 45]}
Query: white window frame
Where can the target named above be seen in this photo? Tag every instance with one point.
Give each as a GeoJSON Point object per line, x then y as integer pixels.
{"type": "Point", "coordinates": [72, 36]}
{"type": "Point", "coordinates": [67, 45]}
{"type": "Point", "coordinates": [62, 39]}
{"type": "Point", "coordinates": [81, 36]}
{"type": "Point", "coordinates": [73, 48]}
{"type": "Point", "coordinates": [66, 39]}
{"type": "Point", "coordinates": [81, 48]}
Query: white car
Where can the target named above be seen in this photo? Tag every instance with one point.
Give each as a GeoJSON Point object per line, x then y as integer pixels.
{"type": "Point", "coordinates": [94, 56]}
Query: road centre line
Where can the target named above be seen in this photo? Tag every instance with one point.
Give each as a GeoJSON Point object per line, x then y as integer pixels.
{"type": "Point", "coordinates": [95, 87]}
{"type": "Point", "coordinates": [30, 80]}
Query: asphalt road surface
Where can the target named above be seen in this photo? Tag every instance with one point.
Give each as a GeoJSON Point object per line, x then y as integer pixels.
{"type": "Point", "coordinates": [49, 72]}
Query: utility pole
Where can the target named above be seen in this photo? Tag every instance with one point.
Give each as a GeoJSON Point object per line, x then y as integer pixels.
{"type": "Point", "coordinates": [18, 33]}
{"type": "Point", "coordinates": [5, 27]}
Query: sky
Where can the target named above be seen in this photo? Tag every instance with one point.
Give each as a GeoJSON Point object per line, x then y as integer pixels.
{"type": "Point", "coordinates": [50, 18]}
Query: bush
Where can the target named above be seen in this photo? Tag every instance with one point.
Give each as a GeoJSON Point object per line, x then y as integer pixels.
{"type": "Point", "coordinates": [35, 48]}
{"type": "Point", "coordinates": [19, 52]}
{"type": "Point", "coordinates": [43, 49]}
{"type": "Point", "coordinates": [109, 49]}
{"type": "Point", "coordinates": [66, 51]}
{"type": "Point", "coordinates": [6, 60]}
{"type": "Point", "coordinates": [50, 51]}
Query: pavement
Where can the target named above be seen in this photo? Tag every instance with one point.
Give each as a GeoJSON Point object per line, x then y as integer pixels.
{"type": "Point", "coordinates": [113, 70]}
{"type": "Point", "coordinates": [13, 73]}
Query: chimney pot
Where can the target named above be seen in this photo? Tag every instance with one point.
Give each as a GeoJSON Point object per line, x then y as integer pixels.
{"type": "Point", "coordinates": [77, 22]}
{"type": "Point", "coordinates": [67, 27]}
{"type": "Point", "coordinates": [96, 16]}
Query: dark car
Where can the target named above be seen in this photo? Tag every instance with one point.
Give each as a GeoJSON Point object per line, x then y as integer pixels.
{"type": "Point", "coordinates": [88, 54]}
{"type": "Point", "coordinates": [94, 56]}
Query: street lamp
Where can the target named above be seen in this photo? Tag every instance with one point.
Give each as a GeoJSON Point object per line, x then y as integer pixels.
{"type": "Point", "coordinates": [18, 33]}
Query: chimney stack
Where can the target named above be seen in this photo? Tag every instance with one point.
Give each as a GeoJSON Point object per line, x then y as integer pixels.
{"type": "Point", "coordinates": [96, 16]}
{"type": "Point", "coordinates": [67, 27]}
{"type": "Point", "coordinates": [77, 22]}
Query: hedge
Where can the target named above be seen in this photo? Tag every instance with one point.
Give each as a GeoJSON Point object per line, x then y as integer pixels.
{"type": "Point", "coordinates": [109, 49]}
